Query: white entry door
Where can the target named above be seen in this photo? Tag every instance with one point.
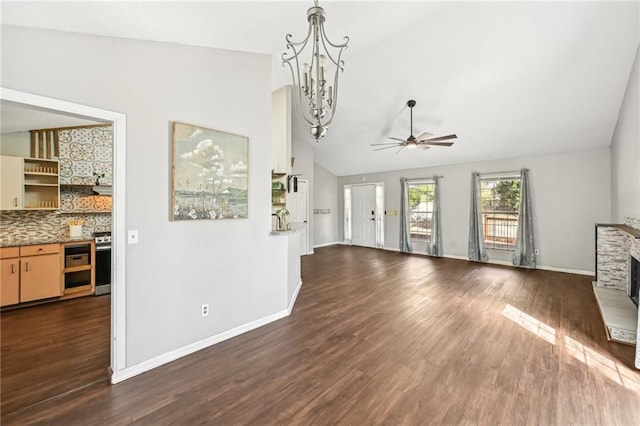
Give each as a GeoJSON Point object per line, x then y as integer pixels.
{"type": "Point", "coordinates": [363, 206]}
{"type": "Point", "coordinates": [299, 210]}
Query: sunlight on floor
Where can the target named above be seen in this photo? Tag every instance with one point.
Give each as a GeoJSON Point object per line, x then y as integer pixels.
{"type": "Point", "coordinates": [612, 369]}
{"type": "Point", "coordinates": [608, 367]}
{"type": "Point", "coordinates": [528, 322]}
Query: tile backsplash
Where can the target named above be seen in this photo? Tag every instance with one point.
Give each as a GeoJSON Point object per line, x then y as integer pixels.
{"type": "Point", "coordinates": [24, 225]}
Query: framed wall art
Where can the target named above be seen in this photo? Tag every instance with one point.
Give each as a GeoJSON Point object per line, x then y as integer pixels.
{"type": "Point", "coordinates": [209, 174]}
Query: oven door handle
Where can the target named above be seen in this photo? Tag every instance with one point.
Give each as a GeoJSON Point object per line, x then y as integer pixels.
{"type": "Point", "coordinates": [103, 248]}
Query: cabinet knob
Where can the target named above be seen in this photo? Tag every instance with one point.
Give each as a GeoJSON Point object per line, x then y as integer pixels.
{"type": "Point", "coordinates": [26, 267]}
{"type": "Point", "coordinates": [13, 268]}
{"type": "Point", "coordinates": [15, 202]}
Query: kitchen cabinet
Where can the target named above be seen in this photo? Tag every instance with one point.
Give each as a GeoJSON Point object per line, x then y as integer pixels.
{"type": "Point", "coordinates": [39, 272]}
{"type": "Point", "coordinates": [41, 184]}
{"type": "Point", "coordinates": [78, 269]}
{"type": "Point", "coordinates": [11, 183]}
{"type": "Point", "coordinates": [9, 276]}
{"type": "Point", "coordinates": [29, 184]}
{"type": "Point", "coordinates": [29, 273]}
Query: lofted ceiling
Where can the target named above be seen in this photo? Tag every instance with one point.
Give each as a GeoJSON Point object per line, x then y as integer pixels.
{"type": "Point", "coordinates": [509, 78]}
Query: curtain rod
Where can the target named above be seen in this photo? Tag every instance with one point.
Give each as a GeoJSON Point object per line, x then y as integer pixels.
{"type": "Point", "coordinates": [495, 175]}
{"type": "Point", "coordinates": [424, 178]}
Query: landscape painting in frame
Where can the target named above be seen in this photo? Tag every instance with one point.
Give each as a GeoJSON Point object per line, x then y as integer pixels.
{"type": "Point", "coordinates": [210, 174]}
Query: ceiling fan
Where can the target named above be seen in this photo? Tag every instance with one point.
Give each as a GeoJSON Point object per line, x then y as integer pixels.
{"type": "Point", "coordinates": [424, 141]}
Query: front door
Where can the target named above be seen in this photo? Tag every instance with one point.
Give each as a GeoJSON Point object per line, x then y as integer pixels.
{"type": "Point", "coordinates": [363, 206]}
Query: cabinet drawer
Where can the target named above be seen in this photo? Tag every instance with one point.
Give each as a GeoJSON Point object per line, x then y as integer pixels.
{"type": "Point", "coordinates": [39, 249]}
{"type": "Point", "coordinates": [6, 252]}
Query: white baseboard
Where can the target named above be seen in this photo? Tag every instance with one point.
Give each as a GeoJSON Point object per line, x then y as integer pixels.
{"type": "Point", "coordinates": [566, 270]}
{"type": "Point", "coordinates": [505, 263]}
{"type": "Point", "coordinates": [327, 244]}
{"type": "Point", "coordinates": [294, 297]}
{"type": "Point", "coordinates": [152, 363]}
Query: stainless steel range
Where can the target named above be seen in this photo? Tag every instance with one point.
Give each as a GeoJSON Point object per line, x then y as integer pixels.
{"type": "Point", "coordinates": [103, 262]}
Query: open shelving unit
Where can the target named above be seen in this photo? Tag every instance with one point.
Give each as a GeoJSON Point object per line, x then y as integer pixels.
{"type": "Point", "coordinates": [278, 190]}
{"type": "Point", "coordinates": [78, 269]}
{"type": "Point", "coordinates": [41, 183]}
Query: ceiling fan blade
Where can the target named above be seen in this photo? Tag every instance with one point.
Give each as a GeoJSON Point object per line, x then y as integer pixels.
{"type": "Point", "coordinates": [401, 149]}
{"type": "Point", "coordinates": [425, 135]}
{"type": "Point", "coordinates": [390, 143]}
{"type": "Point", "coordinates": [423, 146]}
{"type": "Point", "coordinates": [398, 139]}
{"type": "Point", "coordinates": [436, 143]}
{"type": "Point", "coordinates": [440, 138]}
{"type": "Point", "coordinates": [387, 147]}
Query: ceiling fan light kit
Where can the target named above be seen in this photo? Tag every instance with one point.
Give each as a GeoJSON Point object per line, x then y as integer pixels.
{"type": "Point", "coordinates": [312, 85]}
{"type": "Point", "coordinates": [424, 141]}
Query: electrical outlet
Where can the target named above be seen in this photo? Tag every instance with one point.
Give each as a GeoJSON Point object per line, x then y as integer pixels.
{"type": "Point", "coordinates": [205, 310]}
{"type": "Point", "coordinates": [536, 252]}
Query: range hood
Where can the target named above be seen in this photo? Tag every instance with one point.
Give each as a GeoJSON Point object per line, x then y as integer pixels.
{"type": "Point", "coordinates": [102, 190]}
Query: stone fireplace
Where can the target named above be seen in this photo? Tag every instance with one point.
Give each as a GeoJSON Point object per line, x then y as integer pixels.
{"type": "Point", "coordinates": [634, 291]}
{"type": "Point", "coordinates": [617, 276]}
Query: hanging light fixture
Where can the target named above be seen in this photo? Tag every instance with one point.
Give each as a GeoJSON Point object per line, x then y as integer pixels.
{"type": "Point", "coordinates": [312, 85]}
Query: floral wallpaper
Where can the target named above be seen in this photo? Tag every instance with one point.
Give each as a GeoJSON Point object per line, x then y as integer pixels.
{"type": "Point", "coordinates": [83, 152]}
{"type": "Point", "coordinates": [79, 199]}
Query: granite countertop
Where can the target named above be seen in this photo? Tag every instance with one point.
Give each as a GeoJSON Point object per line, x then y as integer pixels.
{"type": "Point", "coordinates": [49, 239]}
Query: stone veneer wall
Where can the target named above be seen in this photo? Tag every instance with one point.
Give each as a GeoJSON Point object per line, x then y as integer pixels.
{"type": "Point", "coordinates": [22, 226]}
{"type": "Point", "coordinates": [612, 259]}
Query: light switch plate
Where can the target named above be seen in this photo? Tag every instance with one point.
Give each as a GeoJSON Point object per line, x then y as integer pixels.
{"type": "Point", "coordinates": [133, 236]}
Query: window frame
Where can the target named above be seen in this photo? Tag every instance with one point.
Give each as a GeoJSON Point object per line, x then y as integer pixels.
{"type": "Point", "coordinates": [492, 242]}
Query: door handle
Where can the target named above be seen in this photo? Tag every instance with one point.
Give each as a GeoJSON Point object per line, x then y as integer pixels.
{"type": "Point", "coordinates": [15, 202]}
{"type": "Point", "coordinates": [13, 268]}
{"type": "Point", "coordinates": [26, 267]}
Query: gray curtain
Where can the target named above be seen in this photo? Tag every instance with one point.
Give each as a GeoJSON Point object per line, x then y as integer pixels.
{"type": "Point", "coordinates": [435, 248]}
{"type": "Point", "coordinates": [524, 254]}
{"type": "Point", "coordinates": [477, 251]}
{"type": "Point", "coordinates": [405, 233]}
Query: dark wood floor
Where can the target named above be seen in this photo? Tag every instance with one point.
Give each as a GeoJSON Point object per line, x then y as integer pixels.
{"type": "Point", "coordinates": [51, 349]}
{"type": "Point", "coordinates": [384, 338]}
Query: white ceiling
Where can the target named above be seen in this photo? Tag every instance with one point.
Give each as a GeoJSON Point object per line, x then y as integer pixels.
{"type": "Point", "coordinates": [21, 118]}
{"type": "Point", "coordinates": [509, 78]}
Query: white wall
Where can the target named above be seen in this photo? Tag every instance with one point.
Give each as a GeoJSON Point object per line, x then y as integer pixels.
{"type": "Point", "coordinates": [281, 130]}
{"type": "Point", "coordinates": [325, 189]}
{"type": "Point", "coordinates": [15, 144]}
{"type": "Point", "coordinates": [570, 194]}
{"type": "Point", "coordinates": [625, 153]}
{"type": "Point", "coordinates": [234, 265]}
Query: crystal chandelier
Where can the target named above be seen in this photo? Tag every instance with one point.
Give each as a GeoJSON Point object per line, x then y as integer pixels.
{"type": "Point", "coordinates": [314, 85]}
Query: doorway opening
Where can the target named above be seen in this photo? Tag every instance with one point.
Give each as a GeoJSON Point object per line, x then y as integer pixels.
{"type": "Point", "coordinates": [115, 305]}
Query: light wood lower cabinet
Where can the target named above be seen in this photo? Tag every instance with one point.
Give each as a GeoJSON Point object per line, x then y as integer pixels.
{"type": "Point", "coordinates": [39, 277]}
{"type": "Point", "coordinates": [29, 273]}
{"type": "Point", "coordinates": [9, 276]}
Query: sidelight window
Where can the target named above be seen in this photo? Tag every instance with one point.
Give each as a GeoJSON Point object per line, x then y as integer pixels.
{"type": "Point", "coordinates": [420, 200]}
